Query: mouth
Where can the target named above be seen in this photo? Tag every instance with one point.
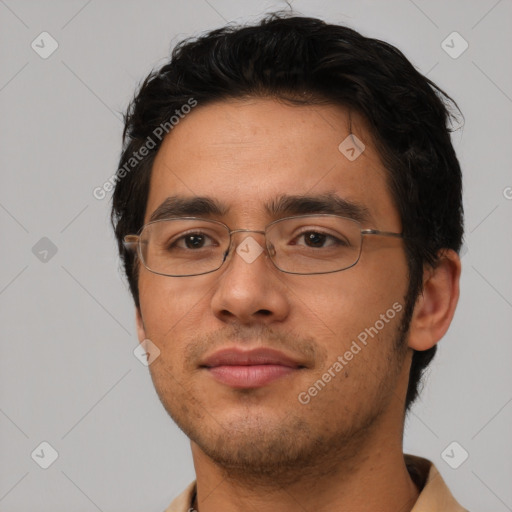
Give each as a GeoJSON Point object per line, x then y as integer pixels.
{"type": "Point", "coordinates": [250, 369]}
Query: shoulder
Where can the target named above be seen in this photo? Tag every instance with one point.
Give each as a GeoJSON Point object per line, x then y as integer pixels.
{"type": "Point", "coordinates": [182, 503]}
{"type": "Point", "coordinates": [434, 493]}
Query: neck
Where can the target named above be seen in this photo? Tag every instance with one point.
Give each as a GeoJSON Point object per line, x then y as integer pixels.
{"type": "Point", "coordinates": [374, 478]}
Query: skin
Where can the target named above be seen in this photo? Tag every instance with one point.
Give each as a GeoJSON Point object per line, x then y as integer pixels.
{"type": "Point", "coordinates": [261, 449]}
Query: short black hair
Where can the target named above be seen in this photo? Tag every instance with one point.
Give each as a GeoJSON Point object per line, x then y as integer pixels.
{"type": "Point", "coordinates": [304, 60]}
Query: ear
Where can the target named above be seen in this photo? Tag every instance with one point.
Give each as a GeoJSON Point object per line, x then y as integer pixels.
{"type": "Point", "coordinates": [435, 306]}
{"type": "Point", "coordinates": [141, 330]}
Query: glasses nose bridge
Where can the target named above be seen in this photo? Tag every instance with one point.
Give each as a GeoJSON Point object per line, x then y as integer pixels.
{"type": "Point", "coordinates": [231, 231]}
{"type": "Point", "coordinates": [234, 231]}
{"type": "Point", "coordinates": [233, 245]}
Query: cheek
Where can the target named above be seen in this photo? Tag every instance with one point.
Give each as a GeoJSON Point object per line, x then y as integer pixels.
{"type": "Point", "coordinates": [345, 303]}
{"type": "Point", "coordinates": [168, 305]}
{"type": "Point", "coordinates": [169, 297]}
{"type": "Point", "coordinates": [380, 279]}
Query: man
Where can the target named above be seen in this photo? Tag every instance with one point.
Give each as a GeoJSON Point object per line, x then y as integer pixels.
{"type": "Point", "coordinates": [288, 211]}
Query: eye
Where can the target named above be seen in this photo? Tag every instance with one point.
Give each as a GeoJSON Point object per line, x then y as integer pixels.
{"type": "Point", "coordinates": [317, 239]}
{"type": "Point", "coordinates": [195, 240]}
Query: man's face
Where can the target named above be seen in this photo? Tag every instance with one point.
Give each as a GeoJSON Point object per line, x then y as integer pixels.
{"type": "Point", "coordinates": [244, 154]}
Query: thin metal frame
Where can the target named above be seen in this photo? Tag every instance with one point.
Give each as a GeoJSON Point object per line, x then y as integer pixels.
{"type": "Point", "coordinates": [130, 241]}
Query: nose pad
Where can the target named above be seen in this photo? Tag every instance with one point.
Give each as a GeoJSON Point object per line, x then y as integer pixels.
{"type": "Point", "coordinates": [271, 249]}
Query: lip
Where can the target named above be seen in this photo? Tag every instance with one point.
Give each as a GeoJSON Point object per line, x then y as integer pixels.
{"type": "Point", "coordinates": [249, 368]}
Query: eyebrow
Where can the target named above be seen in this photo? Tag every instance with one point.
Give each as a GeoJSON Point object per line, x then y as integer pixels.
{"type": "Point", "coordinates": [282, 206]}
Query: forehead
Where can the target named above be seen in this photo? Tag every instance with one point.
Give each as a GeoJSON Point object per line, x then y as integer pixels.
{"type": "Point", "coordinates": [247, 153]}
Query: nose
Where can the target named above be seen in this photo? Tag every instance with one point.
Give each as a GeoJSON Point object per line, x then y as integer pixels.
{"type": "Point", "coordinates": [250, 289]}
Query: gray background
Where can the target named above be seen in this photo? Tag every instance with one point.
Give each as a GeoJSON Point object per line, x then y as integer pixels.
{"type": "Point", "coordinates": [68, 375]}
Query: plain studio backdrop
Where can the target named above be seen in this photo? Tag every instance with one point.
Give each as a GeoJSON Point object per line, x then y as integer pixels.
{"type": "Point", "coordinates": [68, 373]}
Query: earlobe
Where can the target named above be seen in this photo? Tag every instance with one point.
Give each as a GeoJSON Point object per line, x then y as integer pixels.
{"type": "Point", "coordinates": [435, 306]}
{"type": "Point", "coordinates": [141, 330]}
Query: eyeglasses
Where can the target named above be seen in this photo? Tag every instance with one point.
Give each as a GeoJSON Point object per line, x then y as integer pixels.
{"type": "Point", "coordinates": [306, 244]}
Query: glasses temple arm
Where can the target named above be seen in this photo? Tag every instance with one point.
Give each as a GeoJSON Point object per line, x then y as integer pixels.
{"type": "Point", "coordinates": [130, 241]}
{"type": "Point", "coordinates": [382, 233]}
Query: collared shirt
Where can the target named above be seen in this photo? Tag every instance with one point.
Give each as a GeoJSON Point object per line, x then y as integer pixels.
{"type": "Point", "coordinates": [434, 496]}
